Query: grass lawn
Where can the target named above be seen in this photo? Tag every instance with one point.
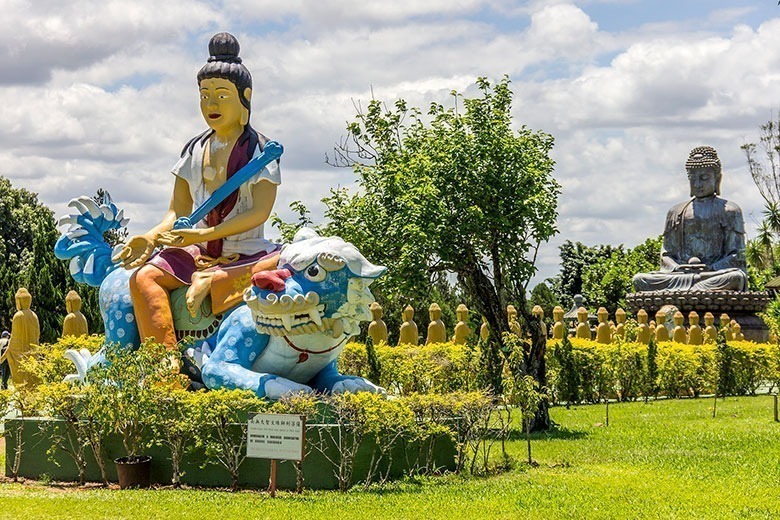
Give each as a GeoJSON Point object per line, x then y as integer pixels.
{"type": "Point", "coordinates": [667, 459]}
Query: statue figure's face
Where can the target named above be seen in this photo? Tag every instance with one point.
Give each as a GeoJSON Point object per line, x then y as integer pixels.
{"type": "Point", "coordinates": [221, 106]}
{"type": "Point", "coordinates": [704, 182]}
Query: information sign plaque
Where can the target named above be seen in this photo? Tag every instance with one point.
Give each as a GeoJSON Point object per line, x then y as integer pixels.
{"type": "Point", "coordinates": [275, 436]}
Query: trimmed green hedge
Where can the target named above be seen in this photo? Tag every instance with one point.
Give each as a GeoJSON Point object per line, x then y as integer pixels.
{"type": "Point", "coordinates": [580, 370]}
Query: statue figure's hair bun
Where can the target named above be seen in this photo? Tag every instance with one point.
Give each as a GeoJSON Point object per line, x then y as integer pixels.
{"type": "Point", "coordinates": [224, 47]}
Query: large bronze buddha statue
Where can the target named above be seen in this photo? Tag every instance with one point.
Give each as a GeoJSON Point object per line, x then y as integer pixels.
{"type": "Point", "coordinates": [704, 237]}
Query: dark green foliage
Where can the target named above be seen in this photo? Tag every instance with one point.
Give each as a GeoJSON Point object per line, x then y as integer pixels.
{"type": "Point", "coordinates": [725, 361]}
{"type": "Point", "coordinates": [27, 237]}
{"type": "Point", "coordinates": [489, 365]}
{"type": "Point", "coordinates": [763, 251]}
{"type": "Point", "coordinates": [288, 230]}
{"type": "Point", "coordinates": [575, 257]}
{"type": "Point", "coordinates": [603, 273]}
{"type": "Point", "coordinates": [374, 366]}
{"type": "Point", "coordinates": [568, 372]}
{"type": "Point", "coordinates": [651, 373]}
{"type": "Point", "coordinates": [543, 296]}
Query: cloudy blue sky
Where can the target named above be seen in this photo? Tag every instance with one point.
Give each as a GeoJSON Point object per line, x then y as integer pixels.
{"type": "Point", "coordinates": [101, 93]}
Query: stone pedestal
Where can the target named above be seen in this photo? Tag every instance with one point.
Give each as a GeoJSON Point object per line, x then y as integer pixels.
{"type": "Point", "coordinates": [740, 306]}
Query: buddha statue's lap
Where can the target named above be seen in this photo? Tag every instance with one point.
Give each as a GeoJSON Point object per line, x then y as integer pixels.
{"type": "Point", "coordinates": [704, 237]}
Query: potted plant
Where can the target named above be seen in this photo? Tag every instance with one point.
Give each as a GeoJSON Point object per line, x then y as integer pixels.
{"type": "Point", "coordinates": [126, 379]}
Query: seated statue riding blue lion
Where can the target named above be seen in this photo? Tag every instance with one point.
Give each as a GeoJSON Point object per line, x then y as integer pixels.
{"type": "Point", "coordinates": [284, 337]}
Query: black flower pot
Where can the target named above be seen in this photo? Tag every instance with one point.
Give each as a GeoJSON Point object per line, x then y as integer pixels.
{"type": "Point", "coordinates": [134, 472]}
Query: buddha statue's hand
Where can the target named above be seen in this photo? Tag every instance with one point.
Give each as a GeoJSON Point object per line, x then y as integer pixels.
{"type": "Point", "coordinates": [135, 252]}
{"type": "Point", "coordinates": [694, 265]}
{"type": "Point", "coordinates": [182, 237]}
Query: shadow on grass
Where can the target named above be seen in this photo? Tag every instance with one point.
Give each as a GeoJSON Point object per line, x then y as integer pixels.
{"type": "Point", "coordinates": [553, 434]}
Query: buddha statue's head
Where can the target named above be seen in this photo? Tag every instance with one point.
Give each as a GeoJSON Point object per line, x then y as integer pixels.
{"type": "Point", "coordinates": [376, 311]}
{"type": "Point", "coordinates": [23, 299]}
{"type": "Point", "coordinates": [434, 312]}
{"type": "Point", "coordinates": [225, 86]}
{"type": "Point", "coordinates": [462, 312]}
{"type": "Point", "coordinates": [73, 302]}
{"type": "Point", "coordinates": [704, 172]}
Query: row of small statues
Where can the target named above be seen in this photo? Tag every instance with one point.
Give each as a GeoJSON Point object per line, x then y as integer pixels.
{"type": "Point", "coordinates": [606, 331]}
{"type": "Point", "coordinates": [437, 331]}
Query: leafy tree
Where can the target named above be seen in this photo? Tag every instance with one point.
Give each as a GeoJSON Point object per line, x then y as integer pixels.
{"type": "Point", "coordinates": [288, 230]}
{"type": "Point", "coordinates": [575, 258]}
{"type": "Point", "coordinates": [543, 296]}
{"type": "Point", "coordinates": [220, 419]}
{"type": "Point", "coordinates": [27, 236]}
{"type": "Point", "coordinates": [173, 425]}
{"type": "Point", "coordinates": [525, 393]}
{"type": "Point", "coordinates": [607, 281]}
{"type": "Point", "coordinates": [463, 193]}
{"type": "Point", "coordinates": [651, 373]}
{"type": "Point", "coordinates": [569, 372]}
{"type": "Point", "coordinates": [762, 251]}
{"type": "Point", "coordinates": [766, 176]}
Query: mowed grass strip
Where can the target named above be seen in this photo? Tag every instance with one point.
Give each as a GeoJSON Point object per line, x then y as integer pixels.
{"type": "Point", "coordinates": [664, 459]}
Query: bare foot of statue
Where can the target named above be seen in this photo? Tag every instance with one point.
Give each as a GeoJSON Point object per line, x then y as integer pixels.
{"type": "Point", "coordinates": [197, 292]}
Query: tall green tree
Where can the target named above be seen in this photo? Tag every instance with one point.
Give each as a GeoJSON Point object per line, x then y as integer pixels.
{"type": "Point", "coordinates": [27, 236]}
{"type": "Point", "coordinates": [762, 251]}
{"type": "Point", "coordinates": [575, 258]}
{"type": "Point", "coordinates": [456, 191]}
{"type": "Point", "coordinates": [543, 296]}
{"type": "Point", "coordinates": [602, 274]}
{"type": "Point", "coordinates": [606, 282]}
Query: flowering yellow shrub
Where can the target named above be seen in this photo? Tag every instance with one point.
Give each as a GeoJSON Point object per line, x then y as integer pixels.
{"type": "Point", "coordinates": [621, 370]}
{"type": "Point", "coordinates": [439, 367]}
{"type": "Point", "coordinates": [590, 372]}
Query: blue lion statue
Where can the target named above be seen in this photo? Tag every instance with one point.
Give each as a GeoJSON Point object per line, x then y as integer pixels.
{"type": "Point", "coordinates": [287, 335]}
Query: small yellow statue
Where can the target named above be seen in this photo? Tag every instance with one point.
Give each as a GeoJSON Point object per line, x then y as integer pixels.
{"type": "Point", "coordinates": [651, 326]}
{"type": "Point", "coordinates": [408, 332]}
{"type": "Point", "coordinates": [437, 333]}
{"type": "Point", "coordinates": [725, 323]}
{"type": "Point", "coordinates": [539, 313]}
{"type": "Point", "coordinates": [583, 330]}
{"type": "Point", "coordinates": [710, 332]}
{"type": "Point", "coordinates": [695, 336]}
{"type": "Point", "coordinates": [736, 331]}
{"type": "Point", "coordinates": [75, 323]}
{"type": "Point", "coordinates": [679, 335]}
{"type": "Point", "coordinates": [620, 329]}
{"type": "Point", "coordinates": [462, 330]}
{"type": "Point", "coordinates": [484, 330]}
{"type": "Point", "coordinates": [377, 329]}
{"type": "Point", "coordinates": [603, 332]}
{"type": "Point", "coordinates": [25, 332]}
{"type": "Point", "coordinates": [643, 329]}
{"type": "Point", "coordinates": [514, 324]}
{"type": "Point", "coordinates": [661, 332]}
{"type": "Point", "coordinates": [559, 329]}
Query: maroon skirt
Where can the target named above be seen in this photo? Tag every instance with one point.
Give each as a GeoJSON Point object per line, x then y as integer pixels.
{"type": "Point", "coordinates": [180, 261]}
